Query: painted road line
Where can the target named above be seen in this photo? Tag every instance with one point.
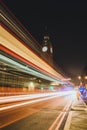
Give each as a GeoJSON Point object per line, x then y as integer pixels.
{"type": "Point", "coordinates": [58, 117]}
{"type": "Point", "coordinates": [68, 121]}
{"type": "Point", "coordinates": [60, 122]}
{"type": "Point", "coordinates": [64, 114]}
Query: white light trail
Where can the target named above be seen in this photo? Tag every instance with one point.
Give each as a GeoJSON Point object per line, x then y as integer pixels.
{"type": "Point", "coordinates": [51, 95]}
{"type": "Point", "coordinates": [14, 45]}
{"type": "Point", "coordinates": [28, 70]}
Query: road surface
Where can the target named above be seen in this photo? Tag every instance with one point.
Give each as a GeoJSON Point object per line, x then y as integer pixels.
{"type": "Point", "coordinates": [46, 114]}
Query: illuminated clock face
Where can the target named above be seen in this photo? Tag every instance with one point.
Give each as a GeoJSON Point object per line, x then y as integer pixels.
{"type": "Point", "coordinates": [45, 48]}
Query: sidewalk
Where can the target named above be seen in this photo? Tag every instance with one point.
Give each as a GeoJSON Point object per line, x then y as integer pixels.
{"type": "Point", "coordinates": [77, 119]}
{"type": "Point", "coordinates": [79, 105]}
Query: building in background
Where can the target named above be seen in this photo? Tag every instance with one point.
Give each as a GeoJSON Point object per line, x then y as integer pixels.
{"type": "Point", "coordinates": [47, 48]}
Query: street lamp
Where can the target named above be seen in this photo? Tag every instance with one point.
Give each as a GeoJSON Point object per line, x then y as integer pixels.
{"type": "Point", "coordinates": [82, 80]}
{"type": "Point", "coordinates": [85, 77]}
{"type": "Point", "coordinates": [79, 77]}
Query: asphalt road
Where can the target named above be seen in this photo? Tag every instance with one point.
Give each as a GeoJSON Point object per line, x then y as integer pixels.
{"type": "Point", "coordinates": [36, 116]}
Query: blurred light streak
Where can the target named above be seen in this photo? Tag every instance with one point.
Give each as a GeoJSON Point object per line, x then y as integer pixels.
{"type": "Point", "coordinates": [10, 42]}
{"type": "Point", "coordinates": [20, 98]}
{"type": "Point", "coordinates": [28, 70]}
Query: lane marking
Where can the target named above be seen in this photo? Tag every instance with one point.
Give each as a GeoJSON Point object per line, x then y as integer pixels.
{"type": "Point", "coordinates": [68, 121]}
{"type": "Point", "coordinates": [62, 114]}
{"type": "Point", "coordinates": [58, 126]}
{"type": "Point", "coordinates": [54, 123]}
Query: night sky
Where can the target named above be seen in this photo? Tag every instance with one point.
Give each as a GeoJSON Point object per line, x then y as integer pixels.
{"type": "Point", "coordinates": [66, 24]}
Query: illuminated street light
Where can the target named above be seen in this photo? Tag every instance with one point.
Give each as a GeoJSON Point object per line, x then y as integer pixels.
{"type": "Point", "coordinates": [79, 77]}
{"type": "Point", "coordinates": [85, 77]}
{"type": "Point", "coordinates": [80, 83]}
{"type": "Point", "coordinates": [82, 80]}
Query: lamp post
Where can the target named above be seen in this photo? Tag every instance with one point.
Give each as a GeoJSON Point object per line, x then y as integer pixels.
{"type": "Point", "coordinates": [82, 79]}
{"type": "Point", "coordinates": [79, 77]}
{"type": "Point", "coordinates": [80, 82]}
{"type": "Point", "coordinates": [85, 77]}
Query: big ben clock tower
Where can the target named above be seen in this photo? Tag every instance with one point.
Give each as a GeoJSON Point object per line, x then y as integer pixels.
{"type": "Point", "coordinates": [47, 47]}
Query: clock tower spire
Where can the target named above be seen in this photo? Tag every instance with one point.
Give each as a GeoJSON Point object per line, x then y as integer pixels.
{"type": "Point", "coordinates": [47, 47]}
